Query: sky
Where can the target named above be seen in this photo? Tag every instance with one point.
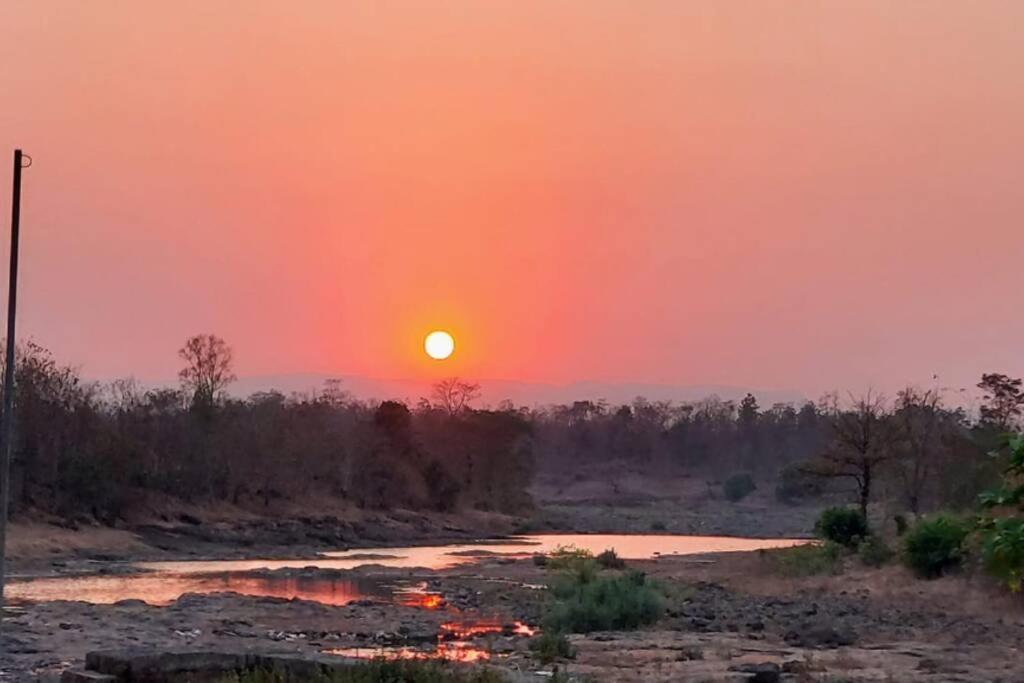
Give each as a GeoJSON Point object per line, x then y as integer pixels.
{"type": "Point", "coordinates": [779, 194]}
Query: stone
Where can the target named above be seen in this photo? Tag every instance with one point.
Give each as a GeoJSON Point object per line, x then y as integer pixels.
{"type": "Point", "coordinates": [80, 676]}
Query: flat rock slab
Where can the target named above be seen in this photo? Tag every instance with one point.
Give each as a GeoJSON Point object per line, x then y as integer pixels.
{"type": "Point", "coordinates": [165, 667]}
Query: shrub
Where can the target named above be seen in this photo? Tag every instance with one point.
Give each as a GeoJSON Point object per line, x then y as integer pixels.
{"type": "Point", "coordinates": [934, 545]}
{"type": "Point", "coordinates": [1002, 550]}
{"type": "Point", "coordinates": [570, 558]}
{"type": "Point", "coordinates": [842, 525]}
{"type": "Point", "coordinates": [809, 559]}
{"type": "Point", "coordinates": [795, 483]}
{"type": "Point", "coordinates": [610, 560]}
{"type": "Point", "coordinates": [550, 645]}
{"type": "Point", "coordinates": [1002, 538]}
{"type": "Point", "coordinates": [738, 487]}
{"type": "Point", "coordinates": [621, 602]}
{"type": "Point", "coordinates": [874, 552]}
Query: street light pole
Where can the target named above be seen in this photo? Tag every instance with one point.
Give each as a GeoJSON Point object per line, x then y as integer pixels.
{"type": "Point", "coordinates": [7, 423]}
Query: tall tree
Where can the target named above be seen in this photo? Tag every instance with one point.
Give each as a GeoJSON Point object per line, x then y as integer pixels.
{"type": "Point", "coordinates": [862, 439]}
{"type": "Point", "coordinates": [921, 422]}
{"type": "Point", "coordinates": [1003, 401]}
{"type": "Point", "coordinates": [208, 368]}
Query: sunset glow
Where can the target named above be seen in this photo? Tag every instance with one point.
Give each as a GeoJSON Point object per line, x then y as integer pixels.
{"type": "Point", "coordinates": [695, 193]}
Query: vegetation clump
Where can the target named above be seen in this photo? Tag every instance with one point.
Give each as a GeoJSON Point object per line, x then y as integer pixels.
{"type": "Point", "coordinates": [796, 484]}
{"type": "Point", "coordinates": [935, 545]}
{"type": "Point", "coordinates": [1002, 538]}
{"type": "Point", "coordinates": [376, 671]}
{"type": "Point", "coordinates": [810, 559]}
{"type": "Point", "coordinates": [842, 525]}
{"type": "Point", "coordinates": [550, 646]}
{"type": "Point", "coordinates": [570, 558]}
{"type": "Point", "coordinates": [601, 603]}
{"type": "Point", "coordinates": [874, 552]}
{"type": "Point", "coordinates": [609, 559]}
{"type": "Point", "coordinates": [738, 487]}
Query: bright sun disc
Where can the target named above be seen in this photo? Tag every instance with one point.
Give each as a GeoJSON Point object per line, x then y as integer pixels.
{"type": "Point", "coordinates": [439, 345]}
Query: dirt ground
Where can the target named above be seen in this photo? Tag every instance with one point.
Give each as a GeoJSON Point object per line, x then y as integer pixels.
{"type": "Point", "coordinates": [725, 613]}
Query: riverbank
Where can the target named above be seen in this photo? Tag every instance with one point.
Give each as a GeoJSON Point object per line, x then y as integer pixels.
{"type": "Point", "coordinates": [724, 613]}
{"type": "Point", "coordinates": [167, 530]}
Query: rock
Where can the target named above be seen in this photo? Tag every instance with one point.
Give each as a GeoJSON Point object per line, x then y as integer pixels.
{"type": "Point", "coordinates": [766, 672]}
{"type": "Point", "coordinates": [80, 676]}
{"type": "Point", "coordinates": [821, 634]}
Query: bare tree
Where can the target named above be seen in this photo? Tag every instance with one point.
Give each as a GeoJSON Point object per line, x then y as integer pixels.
{"type": "Point", "coordinates": [208, 368]}
{"type": "Point", "coordinates": [921, 421]}
{"type": "Point", "coordinates": [862, 439]}
{"type": "Point", "coordinates": [453, 395]}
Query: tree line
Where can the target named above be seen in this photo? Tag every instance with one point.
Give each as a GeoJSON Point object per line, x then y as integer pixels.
{"type": "Point", "coordinates": [85, 448]}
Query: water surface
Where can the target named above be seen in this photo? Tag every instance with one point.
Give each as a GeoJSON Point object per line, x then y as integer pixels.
{"type": "Point", "coordinates": [164, 582]}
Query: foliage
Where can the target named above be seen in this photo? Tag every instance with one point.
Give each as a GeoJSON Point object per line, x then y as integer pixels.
{"type": "Point", "coordinates": [874, 552]}
{"type": "Point", "coordinates": [1003, 401]}
{"type": "Point", "coordinates": [738, 487]}
{"type": "Point", "coordinates": [796, 483]}
{"type": "Point", "coordinates": [842, 525]}
{"type": "Point", "coordinates": [570, 558]}
{"type": "Point", "coordinates": [935, 545]}
{"type": "Point", "coordinates": [1002, 550]}
{"type": "Point", "coordinates": [585, 602]}
{"type": "Point", "coordinates": [609, 559]}
{"type": "Point", "coordinates": [551, 645]}
{"type": "Point", "coordinates": [809, 559]}
{"type": "Point", "coordinates": [1002, 539]}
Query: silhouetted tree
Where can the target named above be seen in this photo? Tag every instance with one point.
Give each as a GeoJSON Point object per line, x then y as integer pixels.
{"type": "Point", "coordinates": [453, 395]}
{"type": "Point", "coordinates": [862, 439]}
{"type": "Point", "coordinates": [1004, 401]}
{"type": "Point", "coordinates": [208, 368]}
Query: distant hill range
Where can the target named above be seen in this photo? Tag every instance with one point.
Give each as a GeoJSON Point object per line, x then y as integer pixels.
{"type": "Point", "coordinates": [519, 393]}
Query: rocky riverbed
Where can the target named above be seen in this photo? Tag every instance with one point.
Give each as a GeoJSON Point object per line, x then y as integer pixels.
{"type": "Point", "coordinates": [728, 617]}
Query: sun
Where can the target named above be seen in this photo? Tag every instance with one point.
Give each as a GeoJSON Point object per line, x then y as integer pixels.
{"type": "Point", "coordinates": [439, 345]}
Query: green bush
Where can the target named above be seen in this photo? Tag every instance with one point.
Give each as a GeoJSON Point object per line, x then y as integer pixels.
{"type": "Point", "coordinates": [874, 552]}
{"type": "Point", "coordinates": [1002, 550]}
{"type": "Point", "coordinates": [738, 487]}
{"type": "Point", "coordinates": [584, 604]}
{"type": "Point", "coordinates": [568, 557]}
{"type": "Point", "coordinates": [610, 560]}
{"type": "Point", "coordinates": [842, 525]}
{"type": "Point", "coordinates": [550, 645]}
{"type": "Point", "coordinates": [934, 545]}
{"type": "Point", "coordinates": [1002, 538]}
{"type": "Point", "coordinates": [809, 559]}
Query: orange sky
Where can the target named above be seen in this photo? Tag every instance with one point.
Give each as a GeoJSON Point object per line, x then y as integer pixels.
{"type": "Point", "coordinates": [770, 194]}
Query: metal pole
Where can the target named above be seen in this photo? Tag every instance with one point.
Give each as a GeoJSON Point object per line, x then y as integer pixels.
{"type": "Point", "coordinates": [7, 424]}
